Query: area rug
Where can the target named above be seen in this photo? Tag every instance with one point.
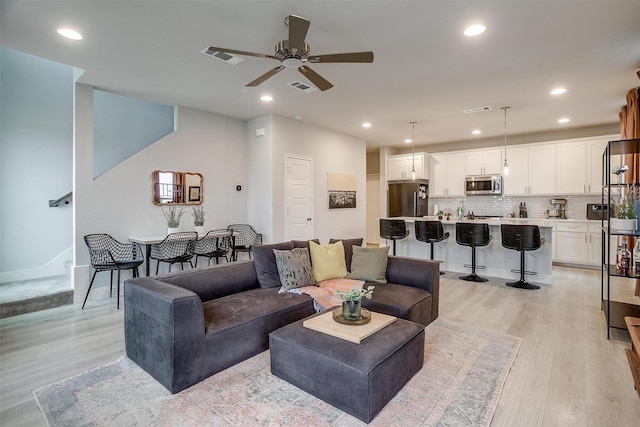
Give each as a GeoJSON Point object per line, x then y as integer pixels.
{"type": "Point", "coordinates": [459, 385]}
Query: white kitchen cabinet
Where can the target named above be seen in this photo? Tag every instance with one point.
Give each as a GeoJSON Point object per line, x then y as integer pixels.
{"type": "Point", "coordinates": [517, 181]}
{"type": "Point", "coordinates": [400, 167]}
{"type": "Point", "coordinates": [542, 164]}
{"type": "Point", "coordinates": [595, 148]}
{"type": "Point", "coordinates": [484, 162]}
{"type": "Point", "coordinates": [571, 167]}
{"type": "Point", "coordinates": [531, 170]}
{"type": "Point", "coordinates": [595, 243]}
{"type": "Point", "coordinates": [572, 242]}
{"type": "Point", "coordinates": [447, 174]}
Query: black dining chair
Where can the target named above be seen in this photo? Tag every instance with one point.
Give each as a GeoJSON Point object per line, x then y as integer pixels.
{"type": "Point", "coordinates": [175, 248]}
{"type": "Point", "coordinates": [108, 254]}
{"type": "Point", "coordinates": [243, 236]}
{"type": "Point", "coordinates": [473, 235]}
{"type": "Point", "coordinates": [521, 238]}
{"type": "Point", "coordinates": [430, 232]}
{"type": "Point", "coordinates": [393, 229]}
{"type": "Point", "coordinates": [214, 244]}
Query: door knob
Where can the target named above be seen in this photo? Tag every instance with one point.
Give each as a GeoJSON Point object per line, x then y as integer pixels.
{"type": "Point", "coordinates": [308, 219]}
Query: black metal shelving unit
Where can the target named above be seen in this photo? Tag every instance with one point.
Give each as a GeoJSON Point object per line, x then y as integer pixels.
{"type": "Point", "coordinates": [615, 311]}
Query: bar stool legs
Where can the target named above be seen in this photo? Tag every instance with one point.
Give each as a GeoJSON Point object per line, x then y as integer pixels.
{"type": "Point", "coordinates": [441, 272]}
{"type": "Point", "coordinates": [473, 277]}
{"type": "Point", "coordinates": [522, 284]}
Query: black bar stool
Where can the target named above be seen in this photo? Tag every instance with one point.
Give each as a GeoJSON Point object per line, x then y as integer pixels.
{"type": "Point", "coordinates": [473, 234]}
{"type": "Point", "coordinates": [521, 238]}
{"type": "Point", "coordinates": [393, 229]}
{"type": "Point", "coordinates": [430, 232]}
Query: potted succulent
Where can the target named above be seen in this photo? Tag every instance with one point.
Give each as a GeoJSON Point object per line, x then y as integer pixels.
{"type": "Point", "coordinates": [198, 214]}
{"type": "Point", "coordinates": [173, 217]}
{"type": "Point", "coordinates": [351, 302]}
{"type": "Point", "coordinates": [625, 210]}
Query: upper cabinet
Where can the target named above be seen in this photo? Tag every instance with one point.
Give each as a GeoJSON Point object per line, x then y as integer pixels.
{"type": "Point", "coordinates": [447, 174]}
{"type": "Point", "coordinates": [400, 167]}
{"type": "Point", "coordinates": [571, 169]}
{"type": "Point", "coordinates": [484, 162]}
{"type": "Point", "coordinates": [529, 170]}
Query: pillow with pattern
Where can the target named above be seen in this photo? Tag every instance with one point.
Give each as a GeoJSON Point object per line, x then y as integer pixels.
{"type": "Point", "coordinates": [294, 268]}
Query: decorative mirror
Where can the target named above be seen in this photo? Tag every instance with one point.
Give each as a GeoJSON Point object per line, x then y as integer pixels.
{"type": "Point", "coordinates": [176, 188]}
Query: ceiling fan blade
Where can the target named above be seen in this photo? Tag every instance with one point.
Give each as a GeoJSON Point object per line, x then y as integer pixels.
{"type": "Point", "coordinates": [241, 52]}
{"type": "Point", "coordinates": [315, 78]}
{"type": "Point", "coordinates": [298, 27]}
{"type": "Point", "coordinates": [265, 76]}
{"type": "Point", "coordinates": [342, 57]}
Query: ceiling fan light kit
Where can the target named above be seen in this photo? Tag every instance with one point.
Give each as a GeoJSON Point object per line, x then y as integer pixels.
{"type": "Point", "coordinates": [295, 53]}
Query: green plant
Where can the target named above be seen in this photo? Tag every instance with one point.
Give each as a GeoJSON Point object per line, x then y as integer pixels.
{"type": "Point", "coordinates": [356, 294]}
{"type": "Point", "coordinates": [625, 206]}
{"type": "Point", "coordinates": [173, 216]}
{"type": "Point", "coordinates": [198, 215]}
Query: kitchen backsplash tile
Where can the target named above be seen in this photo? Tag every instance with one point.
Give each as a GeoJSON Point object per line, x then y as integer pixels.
{"type": "Point", "coordinates": [495, 205]}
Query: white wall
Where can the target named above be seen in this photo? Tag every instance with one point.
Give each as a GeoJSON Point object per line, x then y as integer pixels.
{"type": "Point", "coordinates": [331, 152]}
{"type": "Point", "coordinates": [260, 181]}
{"type": "Point", "coordinates": [119, 201]}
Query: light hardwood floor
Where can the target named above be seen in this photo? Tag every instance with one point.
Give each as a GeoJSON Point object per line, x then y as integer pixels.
{"type": "Point", "coordinates": [566, 374]}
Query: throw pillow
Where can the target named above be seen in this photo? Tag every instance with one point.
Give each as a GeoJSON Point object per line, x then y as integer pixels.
{"type": "Point", "coordinates": [348, 245]}
{"type": "Point", "coordinates": [327, 261]}
{"type": "Point", "coordinates": [294, 267]}
{"type": "Point", "coordinates": [265, 263]}
{"type": "Point", "coordinates": [369, 264]}
{"type": "Point", "coordinates": [304, 243]}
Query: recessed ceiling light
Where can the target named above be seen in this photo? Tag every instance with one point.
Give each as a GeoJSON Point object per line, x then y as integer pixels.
{"type": "Point", "coordinates": [476, 132]}
{"type": "Point", "coordinates": [366, 125]}
{"type": "Point", "coordinates": [408, 141]}
{"type": "Point", "coordinates": [266, 98]}
{"type": "Point", "coordinates": [298, 117]}
{"type": "Point", "coordinates": [564, 120]}
{"type": "Point", "coordinates": [474, 30]}
{"type": "Point", "coordinates": [69, 33]}
{"type": "Point", "coordinates": [558, 91]}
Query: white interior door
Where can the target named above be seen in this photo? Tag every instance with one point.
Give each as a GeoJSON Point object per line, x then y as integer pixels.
{"type": "Point", "coordinates": [298, 198]}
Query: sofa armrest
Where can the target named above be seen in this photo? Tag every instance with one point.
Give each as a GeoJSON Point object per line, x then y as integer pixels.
{"type": "Point", "coordinates": [164, 331]}
{"type": "Point", "coordinates": [418, 273]}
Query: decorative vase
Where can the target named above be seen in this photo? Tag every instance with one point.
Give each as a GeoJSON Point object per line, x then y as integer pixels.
{"type": "Point", "coordinates": [172, 230]}
{"type": "Point", "coordinates": [199, 229]}
{"type": "Point", "coordinates": [351, 310]}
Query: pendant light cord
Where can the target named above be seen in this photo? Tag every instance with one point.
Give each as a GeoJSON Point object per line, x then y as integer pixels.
{"type": "Point", "coordinates": [506, 165]}
{"type": "Point", "coordinates": [413, 149]}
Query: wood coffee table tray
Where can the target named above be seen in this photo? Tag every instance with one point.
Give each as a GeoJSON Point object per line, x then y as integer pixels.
{"type": "Point", "coordinates": [355, 333]}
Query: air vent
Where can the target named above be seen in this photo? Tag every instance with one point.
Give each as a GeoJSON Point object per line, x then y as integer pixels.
{"type": "Point", "coordinates": [477, 109]}
{"type": "Point", "coordinates": [302, 86]}
{"type": "Point", "coordinates": [222, 56]}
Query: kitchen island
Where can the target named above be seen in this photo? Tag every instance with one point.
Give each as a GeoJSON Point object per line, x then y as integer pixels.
{"type": "Point", "coordinates": [498, 261]}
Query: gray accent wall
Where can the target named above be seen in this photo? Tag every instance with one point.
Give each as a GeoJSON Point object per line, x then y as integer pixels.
{"type": "Point", "coordinates": [36, 140]}
{"type": "Point", "coordinates": [122, 126]}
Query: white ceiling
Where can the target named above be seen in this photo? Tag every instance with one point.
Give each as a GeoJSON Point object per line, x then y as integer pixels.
{"type": "Point", "coordinates": [424, 70]}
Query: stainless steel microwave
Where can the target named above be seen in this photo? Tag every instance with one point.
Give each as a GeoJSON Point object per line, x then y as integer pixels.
{"type": "Point", "coordinates": [477, 185]}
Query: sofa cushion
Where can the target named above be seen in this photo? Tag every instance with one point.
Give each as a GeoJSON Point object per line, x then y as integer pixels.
{"type": "Point", "coordinates": [369, 264]}
{"type": "Point", "coordinates": [327, 261]}
{"type": "Point", "coordinates": [265, 263]}
{"type": "Point", "coordinates": [348, 248]}
{"type": "Point", "coordinates": [294, 268]}
{"type": "Point", "coordinates": [401, 301]}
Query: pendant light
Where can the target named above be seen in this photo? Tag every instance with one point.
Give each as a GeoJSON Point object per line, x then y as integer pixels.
{"type": "Point", "coordinates": [413, 150]}
{"type": "Point", "coordinates": [505, 167]}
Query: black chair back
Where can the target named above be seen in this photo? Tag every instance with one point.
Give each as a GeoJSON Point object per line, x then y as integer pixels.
{"type": "Point", "coordinates": [472, 234]}
{"type": "Point", "coordinates": [430, 231]}
{"type": "Point", "coordinates": [521, 237]}
{"type": "Point", "coordinates": [393, 229]}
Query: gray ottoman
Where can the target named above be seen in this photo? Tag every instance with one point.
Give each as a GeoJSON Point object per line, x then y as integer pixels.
{"type": "Point", "coordinates": [356, 378]}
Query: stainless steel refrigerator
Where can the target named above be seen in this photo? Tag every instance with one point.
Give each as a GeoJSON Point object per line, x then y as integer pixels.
{"type": "Point", "coordinates": [408, 198]}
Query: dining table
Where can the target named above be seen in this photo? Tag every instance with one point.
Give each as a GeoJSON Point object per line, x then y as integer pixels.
{"type": "Point", "coordinates": [148, 241]}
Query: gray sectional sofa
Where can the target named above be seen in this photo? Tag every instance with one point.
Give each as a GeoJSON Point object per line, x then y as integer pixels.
{"type": "Point", "coordinates": [186, 326]}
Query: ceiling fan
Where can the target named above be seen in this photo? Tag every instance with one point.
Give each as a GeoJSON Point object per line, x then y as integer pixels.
{"type": "Point", "coordinates": [295, 52]}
